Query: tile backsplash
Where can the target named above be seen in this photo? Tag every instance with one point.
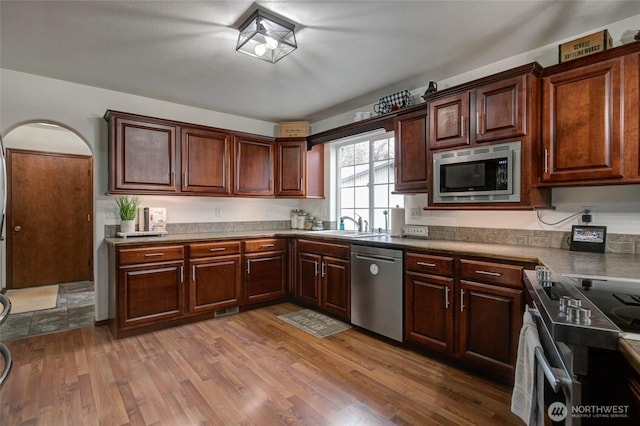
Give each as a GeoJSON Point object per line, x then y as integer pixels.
{"type": "Point", "coordinates": [616, 243]}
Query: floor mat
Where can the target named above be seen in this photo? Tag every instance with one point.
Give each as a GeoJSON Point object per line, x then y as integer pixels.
{"type": "Point", "coordinates": [314, 323]}
{"type": "Point", "coordinates": [33, 299]}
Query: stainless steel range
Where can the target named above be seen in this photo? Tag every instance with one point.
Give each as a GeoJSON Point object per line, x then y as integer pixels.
{"type": "Point", "coordinates": [580, 319]}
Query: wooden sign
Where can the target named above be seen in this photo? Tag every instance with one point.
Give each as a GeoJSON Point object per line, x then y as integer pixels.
{"type": "Point", "coordinates": [293, 129]}
{"type": "Point", "coordinates": [584, 46]}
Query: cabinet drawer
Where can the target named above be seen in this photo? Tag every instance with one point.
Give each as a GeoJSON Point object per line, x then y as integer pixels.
{"type": "Point", "coordinates": [328, 249]}
{"type": "Point", "coordinates": [214, 249]}
{"type": "Point", "coordinates": [491, 273]}
{"type": "Point", "coordinates": [429, 264]}
{"type": "Point", "coordinates": [265, 244]}
{"type": "Point", "coordinates": [150, 254]}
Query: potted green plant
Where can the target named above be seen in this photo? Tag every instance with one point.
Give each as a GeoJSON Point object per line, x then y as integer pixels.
{"type": "Point", "coordinates": [128, 209]}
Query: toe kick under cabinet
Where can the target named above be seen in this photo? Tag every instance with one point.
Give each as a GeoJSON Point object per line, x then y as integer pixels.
{"type": "Point", "coordinates": [470, 309]}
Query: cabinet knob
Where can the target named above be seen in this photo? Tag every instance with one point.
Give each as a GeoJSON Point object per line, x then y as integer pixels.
{"type": "Point", "coordinates": [17, 229]}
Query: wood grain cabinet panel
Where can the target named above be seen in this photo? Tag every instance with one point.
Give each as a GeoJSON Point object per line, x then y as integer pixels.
{"type": "Point", "coordinates": [266, 268]}
{"type": "Point", "coordinates": [490, 322]}
{"type": "Point", "coordinates": [254, 167]}
{"type": "Point", "coordinates": [449, 121]}
{"type": "Point", "coordinates": [583, 124]}
{"type": "Point", "coordinates": [411, 152]}
{"type": "Point", "coordinates": [214, 283]}
{"type": "Point", "coordinates": [291, 168]}
{"type": "Point", "coordinates": [142, 155]}
{"type": "Point", "coordinates": [324, 276]}
{"type": "Point", "coordinates": [207, 159]}
{"type": "Point", "coordinates": [501, 110]}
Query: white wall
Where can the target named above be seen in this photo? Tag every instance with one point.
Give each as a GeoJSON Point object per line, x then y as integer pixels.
{"type": "Point", "coordinates": [617, 207]}
{"type": "Point", "coordinates": [29, 98]}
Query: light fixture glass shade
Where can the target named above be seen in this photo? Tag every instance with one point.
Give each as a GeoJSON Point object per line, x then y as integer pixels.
{"type": "Point", "coordinates": [267, 37]}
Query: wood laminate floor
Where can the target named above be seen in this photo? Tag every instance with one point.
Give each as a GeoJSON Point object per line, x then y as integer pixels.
{"type": "Point", "coordinates": [249, 368]}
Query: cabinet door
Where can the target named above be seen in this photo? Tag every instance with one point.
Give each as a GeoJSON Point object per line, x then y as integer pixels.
{"type": "Point", "coordinates": [582, 125]}
{"type": "Point", "coordinates": [315, 172]}
{"type": "Point", "coordinates": [309, 278]}
{"type": "Point", "coordinates": [265, 276]}
{"type": "Point", "coordinates": [214, 283]}
{"type": "Point", "coordinates": [336, 286]}
{"type": "Point", "coordinates": [206, 162]}
{"type": "Point", "coordinates": [411, 153]}
{"type": "Point", "coordinates": [143, 156]}
{"type": "Point", "coordinates": [501, 109]}
{"type": "Point", "coordinates": [449, 121]}
{"type": "Point", "coordinates": [490, 322]}
{"type": "Point", "coordinates": [429, 311]}
{"type": "Point", "coordinates": [254, 167]}
{"type": "Point", "coordinates": [291, 168]}
{"type": "Point", "coordinates": [150, 293]}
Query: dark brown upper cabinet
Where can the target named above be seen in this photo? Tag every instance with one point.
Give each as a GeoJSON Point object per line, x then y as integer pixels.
{"type": "Point", "coordinates": [142, 154]}
{"type": "Point", "coordinates": [207, 160]}
{"type": "Point", "coordinates": [254, 166]}
{"type": "Point", "coordinates": [494, 111]}
{"type": "Point", "coordinates": [590, 119]}
{"type": "Point", "coordinates": [291, 168]}
{"type": "Point", "coordinates": [411, 175]}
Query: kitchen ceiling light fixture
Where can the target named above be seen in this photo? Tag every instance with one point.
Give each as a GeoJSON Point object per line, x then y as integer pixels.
{"type": "Point", "coordinates": [267, 37]}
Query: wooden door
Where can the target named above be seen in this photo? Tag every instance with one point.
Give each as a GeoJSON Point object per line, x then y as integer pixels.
{"type": "Point", "coordinates": [582, 123]}
{"type": "Point", "coordinates": [254, 167]}
{"type": "Point", "coordinates": [142, 155]}
{"type": "Point", "coordinates": [490, 322]}
{"type": "Point", "coordinates": [336, 286]}
{"type": "Point", "coordinates": [215, 283]}
{"type": "Point", "coordinates": [206, 162]}
{"type": "Point", "coordinates": [50, 218]}
{"type": "Point", "coordinates": [291, 168]}
{"type": "Point", "coordinates": [449, 121]}
{"type": "Point", "coordinates": [411, 153]}
{"type": "Point", "coordinates": [309, 278]}
{"type": "Point", "coordinates": [429, 311]}
{"type": "Point", "coordinates": [501, 109]}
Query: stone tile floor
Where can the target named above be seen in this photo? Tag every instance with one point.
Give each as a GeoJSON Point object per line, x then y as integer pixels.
{"type": "Point", "coordinates": [75, 308]}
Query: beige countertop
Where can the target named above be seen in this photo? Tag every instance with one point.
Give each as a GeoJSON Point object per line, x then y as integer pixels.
{"type": "Point", "coordinates": [558, 260]}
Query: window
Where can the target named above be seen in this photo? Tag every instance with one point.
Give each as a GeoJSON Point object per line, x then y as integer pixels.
{"type": "Point", "coordinates": [365, 181]}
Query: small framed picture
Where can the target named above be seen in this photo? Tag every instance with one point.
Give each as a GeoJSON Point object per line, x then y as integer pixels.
{"type": "Point", "coordinates": [588, 238]}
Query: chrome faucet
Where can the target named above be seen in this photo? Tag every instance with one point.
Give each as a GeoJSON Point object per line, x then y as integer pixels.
{"type": "Point", "coordinates": [357, 222]}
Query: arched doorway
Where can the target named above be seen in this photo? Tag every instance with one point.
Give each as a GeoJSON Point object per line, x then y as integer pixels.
{"type": "Point", "coordinates": [49, 221]}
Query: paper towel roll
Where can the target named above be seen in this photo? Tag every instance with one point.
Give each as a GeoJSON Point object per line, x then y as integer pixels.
{"type": "Point", "coordinates": [397, 222]}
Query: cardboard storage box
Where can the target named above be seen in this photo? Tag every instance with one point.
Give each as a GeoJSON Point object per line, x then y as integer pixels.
{"type": "Point", "coordinates": [583, 46]}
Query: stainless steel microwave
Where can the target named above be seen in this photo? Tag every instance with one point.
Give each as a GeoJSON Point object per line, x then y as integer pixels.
{"type": "Point", "coordinates": [483, 174]}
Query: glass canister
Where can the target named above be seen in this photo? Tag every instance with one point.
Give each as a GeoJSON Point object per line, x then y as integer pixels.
{"type": "Point", "coordinates": [308, 223]}
{"type": "Point", "coordinates": [294, 218]}
{"type": "Point", "coordinates": [302, 218]}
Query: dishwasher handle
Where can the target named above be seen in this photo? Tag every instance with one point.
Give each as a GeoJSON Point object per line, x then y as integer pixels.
{"type": "Point", "coordinates": [375, 258]}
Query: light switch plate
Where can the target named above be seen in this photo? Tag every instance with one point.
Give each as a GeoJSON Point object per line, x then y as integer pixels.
{"type": "Point", "coordinates": [416, 231]}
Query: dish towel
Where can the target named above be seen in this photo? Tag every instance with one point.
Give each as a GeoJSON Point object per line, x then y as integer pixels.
{"type": "Point", "coordinates": [523, 399]}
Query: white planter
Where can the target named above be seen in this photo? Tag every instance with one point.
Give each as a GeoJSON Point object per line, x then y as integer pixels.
{"type": "Point", "coordinates": [127, 226]}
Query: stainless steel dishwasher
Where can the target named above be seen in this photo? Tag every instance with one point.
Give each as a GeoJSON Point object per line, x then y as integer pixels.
{"type": "Point", "coordinates": [377, 290]}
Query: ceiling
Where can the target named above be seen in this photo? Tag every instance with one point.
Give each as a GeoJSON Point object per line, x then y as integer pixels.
{"type": "Point", "coordinates": [350, 52]}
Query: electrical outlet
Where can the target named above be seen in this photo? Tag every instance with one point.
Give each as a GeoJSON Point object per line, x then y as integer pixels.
{"type": "Point", "coordinates": [111, 213]}
{"type": "Point", "coordinates": [217, 212]}
{"type": "Point", "coordinates": [415, 211]}
{"type": "Point", "coordinates": [416, 231]}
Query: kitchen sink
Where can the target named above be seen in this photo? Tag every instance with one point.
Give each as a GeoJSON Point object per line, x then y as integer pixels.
{"type": "Point", "coordinates": [350, 233]}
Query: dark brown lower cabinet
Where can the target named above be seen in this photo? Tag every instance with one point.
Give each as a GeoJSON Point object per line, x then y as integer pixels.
{"type": "Point", "coordinates": [469, 309]}
{"type": "Point", "coordinates": [215, 276]}
{"type": "Point", "coordinates": [490, 321]}
{"type": "Point", "coordinates": [148, 287]}
{"type": "Point", "coordinates": [430, 319]}
{"type": "Point", "coordinates": [324, 276]}
{"type": "Point", "coordinates": [265, 270]}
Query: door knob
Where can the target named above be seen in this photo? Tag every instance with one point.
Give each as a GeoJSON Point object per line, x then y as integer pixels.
{"type": "Point", "coordinates": [17, 228]}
